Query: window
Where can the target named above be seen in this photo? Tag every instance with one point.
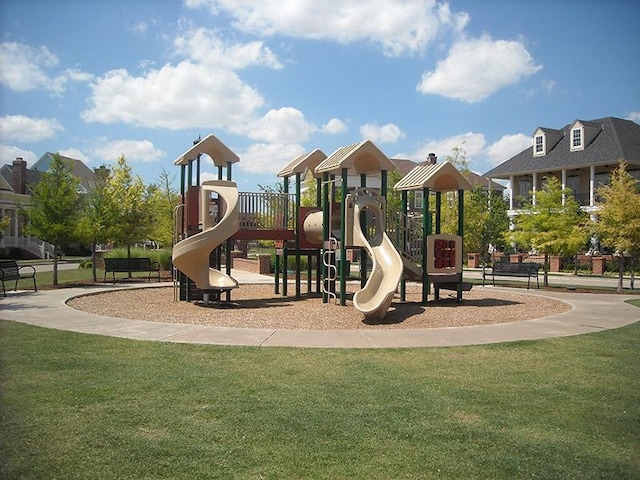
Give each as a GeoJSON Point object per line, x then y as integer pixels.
{"type": "Point", "coordinates": [573, 183]}
{"type": "Point", "coordinates": [539, 145]}
{"type": "Point", "coordinates": [418, 199]}
{"type": "Point", "coordinates": [576, 139]}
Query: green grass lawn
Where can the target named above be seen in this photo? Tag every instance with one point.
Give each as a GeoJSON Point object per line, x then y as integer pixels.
{"type": "Point", "coordinates": [90, 407]}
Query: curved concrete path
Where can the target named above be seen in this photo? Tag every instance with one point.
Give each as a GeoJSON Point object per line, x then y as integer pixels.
{"type": "Point", "coordinates": [590, 313]}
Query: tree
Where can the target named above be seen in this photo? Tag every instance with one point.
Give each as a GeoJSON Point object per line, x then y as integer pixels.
{"type": "Point", "coordinates": [485, 213]}
{"type": "Point", "coordinates": [132, 216]}
{"type": "Point", "coordinates": [163, 198]}
{"type": "Point", "coordinates": [554, 225]}
{"type": "Point", "coordinates": [99, 213]}
{"type": "Point", "coordinates": [618, 223]}
{"type": "Point", "coordinates": [485, 220]}
{"type": "Point", "coordinates": [55, 211]}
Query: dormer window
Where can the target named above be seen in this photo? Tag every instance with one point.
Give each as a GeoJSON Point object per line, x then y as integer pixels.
{"type": "Point", "coordinates": [544, 140]}
{"type": "Point", "coordinates": [577, 139]}
{"type": "Point", "coordinates": [538, 147]}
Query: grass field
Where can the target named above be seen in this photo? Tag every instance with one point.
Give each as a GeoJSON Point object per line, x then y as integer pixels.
{"type": "Point", "coordinates": [81, 406]}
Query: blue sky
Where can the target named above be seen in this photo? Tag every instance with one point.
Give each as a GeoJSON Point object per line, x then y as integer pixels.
{"type": "Point", "coordinates": [274, 78]}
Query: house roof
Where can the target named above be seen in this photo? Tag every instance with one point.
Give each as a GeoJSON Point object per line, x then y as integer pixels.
{"type": "Point", "coordinates": [617, 140]}
{"type": "Point", "coordinates": [6, 172]}
{"type": "Point", "coordinates": [484, 182]}
{"type": "Point", "coordinates": [439, 177]}
{"type": "Point", "coordinates": [43, 164]}
{"type": "Point", "coordinates": [211, 146]}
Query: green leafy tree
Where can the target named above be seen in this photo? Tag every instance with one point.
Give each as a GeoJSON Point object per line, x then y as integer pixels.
{"type": "Point", "coordinates": [485, 213]}
{"type": "Point", "coordinates": [555, 225]}
{"type": "Point", "coordinates": [99, 213]}
{"type": "Point", "coordinates": [619, 216]}
{"type": "Point", "coordinates": [55, 211]}
{"type": "Point", "coordinates": [485, 220]}
{"type": "Point", "coordinates": [163, 198]}
{"type": "Point", "coordinates": [132, 215]}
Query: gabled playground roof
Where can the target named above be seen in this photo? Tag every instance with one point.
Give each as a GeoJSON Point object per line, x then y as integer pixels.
{"type": "Point", "coordinates": [209, 145]}
{"type": "Point", "coordinates": [362, 158]}
{"type": "Point", "coordinates": [439, 177]}
{"type": "Point", "coordinates": [302, 163]}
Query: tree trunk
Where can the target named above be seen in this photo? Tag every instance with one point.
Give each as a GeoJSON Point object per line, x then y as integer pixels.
{"type": "Point", "coordinates": [94, 271]}
{"type": "Point", "coordinates": [129, 256]}
{"type": "Point", "coordinates": [620, 273]}
{"type": "Point", "coordinates": [633, 277]}
{"type": "Point", "coordinates": [55, 265]}
{"type": "Point", "coordinates": [545, 278]}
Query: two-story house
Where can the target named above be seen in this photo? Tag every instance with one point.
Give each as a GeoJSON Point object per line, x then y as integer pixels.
{"type": "Point", "coordinates": [581, 155]}
{"type": "Point", "coordinates": [16, 182]}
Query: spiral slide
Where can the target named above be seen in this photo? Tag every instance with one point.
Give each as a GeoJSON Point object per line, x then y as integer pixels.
{"type": "Point", "coordinates": [191, 255]}
{"type": "Point", "coordinates": [375, 298]}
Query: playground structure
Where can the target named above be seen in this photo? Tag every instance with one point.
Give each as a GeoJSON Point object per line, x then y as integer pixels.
{"type": "Point", "coordinates": [213, 215]}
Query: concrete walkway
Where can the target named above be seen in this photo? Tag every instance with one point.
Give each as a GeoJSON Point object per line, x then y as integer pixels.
{"type": "Point", "coordinates": [590, 313]}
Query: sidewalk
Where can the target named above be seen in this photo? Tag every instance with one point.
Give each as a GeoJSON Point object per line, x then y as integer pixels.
{"type": "Point", "coordinates": [590, 313]}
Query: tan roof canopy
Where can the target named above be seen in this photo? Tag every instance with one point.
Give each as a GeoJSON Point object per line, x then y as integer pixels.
{"type": "Point", "coordinates": [210, 145]}
{"type": "Point", "coordinates": [302, 163]}
{"type": "Point", "coordinates": [362, 158]}
{"type": "Point", "coordinates": [439, 177]}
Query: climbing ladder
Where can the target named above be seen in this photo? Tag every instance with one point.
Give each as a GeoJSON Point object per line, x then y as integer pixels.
{"type": "Point", "coordinates": [330, 248]}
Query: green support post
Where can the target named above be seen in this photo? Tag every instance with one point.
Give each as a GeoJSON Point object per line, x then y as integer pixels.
{"type": "Point", "coordinates": [285, 257]}
{"type": "Point", "coordinates": [343, 246]}
{"type": "Point", "coordinates": [438, 211]}
{"type": "Point", "coordinates": [403, 240]}
{"type": "Point", "coordinates": [426, 231]}
{"type": "Point", "coordinates": [361, 251]}
{"type": "Point", "coordinates": [325, 229]}
{"type": "Point", "coordinates": [297, 234]}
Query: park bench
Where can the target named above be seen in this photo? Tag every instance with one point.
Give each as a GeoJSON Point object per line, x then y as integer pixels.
{"type": "Point", "coordinates": [507, 269]}
{"type": "Point", "coordinates": [10, 270]}
{"type": "Point", "coordinates": [122, 265]}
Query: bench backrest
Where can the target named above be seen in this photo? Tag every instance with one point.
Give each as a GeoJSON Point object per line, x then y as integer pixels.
{"type": "Point", "coordinates": [125, 263]}
{"type": "Point", "coordinates": [9, 268]}
{"type": "Point", "coordinates": [516, 267]}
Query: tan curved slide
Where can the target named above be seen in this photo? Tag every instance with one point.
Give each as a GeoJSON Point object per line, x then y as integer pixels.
{"type": "Point", "coordinates": [375, 298]}
{"type": "Point", "coordinates": [191, 255]}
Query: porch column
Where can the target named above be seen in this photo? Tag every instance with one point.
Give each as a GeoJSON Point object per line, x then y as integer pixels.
{"type": "Point", "coordinates": [564, 184]}
{"type": "Point", "coordinates": [535, 188]}
{"type": "Point", "coordinates": [592, 185]}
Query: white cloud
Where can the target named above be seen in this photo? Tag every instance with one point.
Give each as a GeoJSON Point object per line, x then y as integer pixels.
{"type": "Point", "coordinates": [397, 26]}
{"type": "Point", "coordinates": [472, 143]}
{"type": "Point", "coordinates": [634, 117]}
{"type": "Point", "coordinates": [134, 150]}
{"type": "Point", "coordinates": [285, 125]}
{"type": "Point", "coordinates": [477, 68]}
{"type": "Point", "coordinates": [334, 126]}
{"type": "Point", "coordinates": [75, 154]}
{"type": "Point", "coordinates": [505, 148]}
{"type": "Point", "coordinates": [10, 152]}
{"type": "Point", "coordinates": [29, 67]}
{"type": "Point", "coordinates": [186, 95]}
{"type": "Point", "coordinates": [388, 133]}
{"type": "Point", "coordinates": [204, 46]}
{"type": "Point", "coordinates": [268, 157]}
{"type": "Point", "coordinates": [21, 128]}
